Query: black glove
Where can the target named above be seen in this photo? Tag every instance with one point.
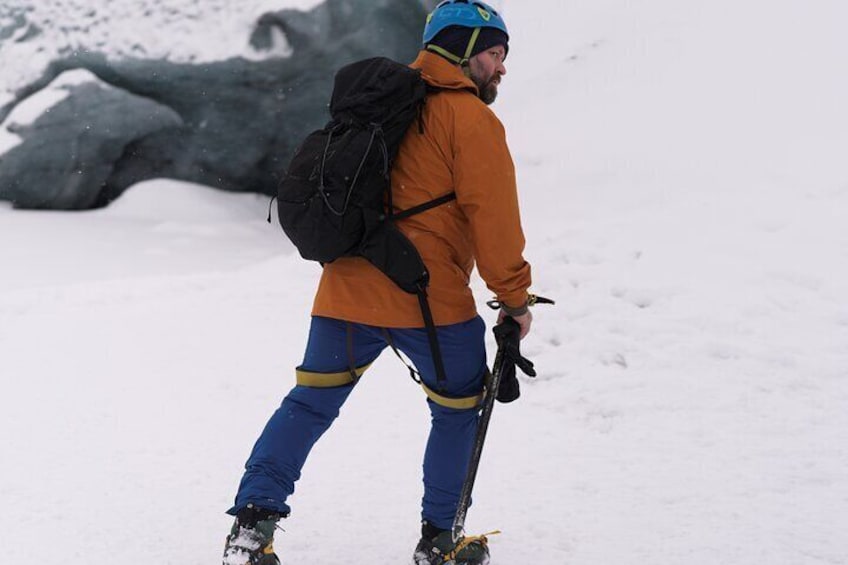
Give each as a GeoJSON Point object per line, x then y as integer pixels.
{"type": "Point", "coordinates": [508, 337]}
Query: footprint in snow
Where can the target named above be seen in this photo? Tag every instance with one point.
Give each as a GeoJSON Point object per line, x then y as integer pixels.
{"type": "Point", "coordinates": [641, 298]}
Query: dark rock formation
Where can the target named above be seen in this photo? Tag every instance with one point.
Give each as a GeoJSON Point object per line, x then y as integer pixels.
{"type": "Point", "coordinates": [70, 150]}
{"type": "Point", "coordinates": [232, 124]}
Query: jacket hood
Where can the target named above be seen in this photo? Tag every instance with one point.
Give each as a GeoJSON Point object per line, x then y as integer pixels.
{"type": "Point", "coordinates": [441, 73]}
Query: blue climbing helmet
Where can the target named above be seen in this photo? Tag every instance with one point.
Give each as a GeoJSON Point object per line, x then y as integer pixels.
{"type": "Point", "coordinates": [473, 14]}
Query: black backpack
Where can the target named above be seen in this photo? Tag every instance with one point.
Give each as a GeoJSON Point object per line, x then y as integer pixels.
{"type": "Point", "coordinates": [335, 199]}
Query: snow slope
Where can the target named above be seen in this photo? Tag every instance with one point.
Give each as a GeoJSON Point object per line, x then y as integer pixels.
{"type": "Point", "coordinates": [684, 190]}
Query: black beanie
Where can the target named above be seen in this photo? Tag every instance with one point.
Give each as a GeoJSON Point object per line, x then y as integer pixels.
{"type": "Point", "coordinates": [454, 40]}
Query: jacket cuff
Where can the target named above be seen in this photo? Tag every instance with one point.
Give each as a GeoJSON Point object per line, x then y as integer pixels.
{"type": "Point", "coordinates": [516, 310]}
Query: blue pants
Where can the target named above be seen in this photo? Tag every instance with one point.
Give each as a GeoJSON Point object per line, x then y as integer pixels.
{"type": "Point", "coordinates": [337, 348]}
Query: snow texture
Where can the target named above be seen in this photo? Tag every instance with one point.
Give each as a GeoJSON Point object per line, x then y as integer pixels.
{"type": "Point", "coordinates": [684, 192]}
{"type": "Point", "coordinates": [34, 32]}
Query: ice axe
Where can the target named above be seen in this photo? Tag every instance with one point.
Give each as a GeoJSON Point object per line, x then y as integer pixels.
{"type": "Point", "coordinates": [505, 354]}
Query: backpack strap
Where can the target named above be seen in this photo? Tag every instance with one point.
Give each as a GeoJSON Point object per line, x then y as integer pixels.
{"type": "Point", "coordinates": [423, 207]}
{"type": "Point", "coordinates": [432, 336]}
{"type": "Point", "coordinates": [421, 290]}
{"type": "Point", "coordinates": [413, 373]}
{"type": "Point", "coordinates": [351, 358]}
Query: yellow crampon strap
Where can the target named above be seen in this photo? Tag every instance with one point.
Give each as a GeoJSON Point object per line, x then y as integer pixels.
{"type": "Point", "coordinates": [465, 542]}
{"type": "Point", "coordinates": [328, 380]}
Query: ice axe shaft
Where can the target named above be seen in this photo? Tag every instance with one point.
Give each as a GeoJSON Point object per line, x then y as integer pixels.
{"type": "Point", "coordinates": [458, 529]}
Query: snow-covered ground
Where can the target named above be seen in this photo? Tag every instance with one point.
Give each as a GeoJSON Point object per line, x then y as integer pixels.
{"type": "Point", "coordinates": [684, 189]}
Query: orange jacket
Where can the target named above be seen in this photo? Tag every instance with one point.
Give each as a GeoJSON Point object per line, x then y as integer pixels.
{"type": "Point", "coordinates": [462, 149]}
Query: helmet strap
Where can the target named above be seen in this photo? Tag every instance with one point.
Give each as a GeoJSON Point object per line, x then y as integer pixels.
{"type": "Point", "coordinates": [445, 53]}
{"type": "Point", "coordinates": [474, 35]}
{"type": "Point", "coordinates": [461, 61]}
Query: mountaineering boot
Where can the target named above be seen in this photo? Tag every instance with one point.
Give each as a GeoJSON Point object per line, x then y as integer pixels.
{"type": "Point", "coordinates": [252, 537]}
{"type": "Point", "coordinates": [438, 548]}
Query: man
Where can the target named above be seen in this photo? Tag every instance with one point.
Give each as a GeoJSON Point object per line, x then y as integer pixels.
{"type": "Point", "coordinates": [459, 146]}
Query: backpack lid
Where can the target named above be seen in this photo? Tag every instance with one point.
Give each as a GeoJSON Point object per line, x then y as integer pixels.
{"type": "Point", "coordinates": [374, 90]}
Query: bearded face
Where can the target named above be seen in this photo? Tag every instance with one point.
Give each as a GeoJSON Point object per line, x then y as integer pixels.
{"type": "Point", "coordinates": [485, 70]}
{"type": "Point", "coordinates": [488, 88]}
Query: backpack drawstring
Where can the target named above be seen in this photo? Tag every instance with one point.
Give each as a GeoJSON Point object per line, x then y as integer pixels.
{"type": "Point", "coordinates": [270, 205]}
{"type": "Point", "coordinates": [321, 185]}
{"type": "Point", "coordinates": [376, 130]}
{"type": "Point", "coordinates": [385, 152]}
